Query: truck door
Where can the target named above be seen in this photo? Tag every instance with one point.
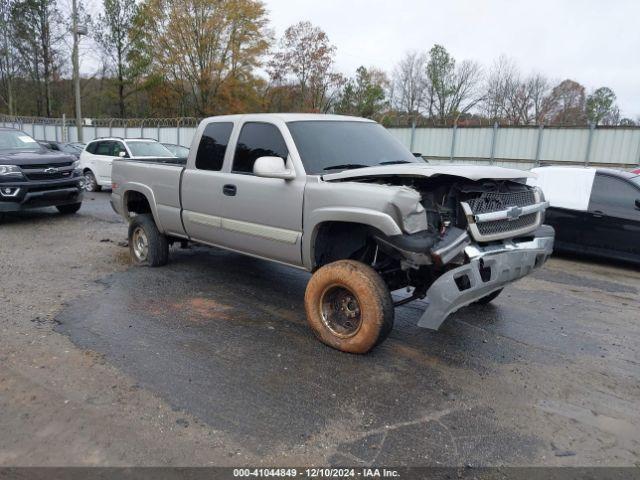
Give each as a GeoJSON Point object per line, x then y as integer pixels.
{"type": "Point", "coordinates": [261, 216]}
{"type": "Point", "coordinates": [102, 160]}
{"type": "Point", "coordinates": [201, 187]}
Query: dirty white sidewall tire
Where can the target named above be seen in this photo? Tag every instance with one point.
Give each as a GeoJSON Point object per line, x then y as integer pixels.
{"type": "Point", "coordinates": [147, 245]}
{"type": "Point", "coordinates": [348, 306]}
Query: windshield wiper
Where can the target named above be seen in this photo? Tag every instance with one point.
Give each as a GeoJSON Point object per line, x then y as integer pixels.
{"type": "Point", "coordinates": [345, 166]}
{"type": "Point", "coordinates": [395, 162]}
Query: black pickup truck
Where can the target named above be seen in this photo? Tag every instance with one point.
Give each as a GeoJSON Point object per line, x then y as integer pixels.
{"type": "Point", "coordinates": [32, 176]}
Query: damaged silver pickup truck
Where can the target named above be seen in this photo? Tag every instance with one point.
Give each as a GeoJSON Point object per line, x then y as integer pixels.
{"type": "Point", "coordinates": [340, 197]}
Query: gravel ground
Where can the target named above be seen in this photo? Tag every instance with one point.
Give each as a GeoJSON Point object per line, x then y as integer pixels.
{"type": "Point", "coordinates": [208, 361]}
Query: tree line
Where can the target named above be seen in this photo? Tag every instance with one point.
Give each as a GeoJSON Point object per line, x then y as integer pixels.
{"type": "Point", "coordinates": [161, 58]}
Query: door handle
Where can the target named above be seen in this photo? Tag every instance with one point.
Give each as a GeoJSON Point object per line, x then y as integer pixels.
{"type": "Point", "coordinates": [597, 214]}
{"type": "Point", "coordinates": [229, 190]}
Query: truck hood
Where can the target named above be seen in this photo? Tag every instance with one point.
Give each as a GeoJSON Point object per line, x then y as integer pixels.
{"type": "Point", "coordinates": [34, 157]}
{"type": "Point", "coordinates": [471, 172]}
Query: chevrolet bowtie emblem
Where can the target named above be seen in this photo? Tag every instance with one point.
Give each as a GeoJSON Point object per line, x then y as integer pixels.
{"type": "Point", "coordinates": [51, 170]}
{"type": "Point", "coordinates": [514, 213]}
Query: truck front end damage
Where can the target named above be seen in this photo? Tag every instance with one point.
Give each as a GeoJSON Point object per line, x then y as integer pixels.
{"type": "Point", "coordinates": [487, 269]}
{"type": "Point", "coordinates": [462, 239]}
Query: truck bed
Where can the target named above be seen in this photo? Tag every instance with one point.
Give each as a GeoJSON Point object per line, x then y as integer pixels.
{"type": "Point", "coordinates": [159, 179]}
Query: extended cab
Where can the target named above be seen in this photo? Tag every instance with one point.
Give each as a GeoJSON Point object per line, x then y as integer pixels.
{"type": "Point", "coordinates": [341, 198]}
{"type": "Point", "coordinates": [32, 176]}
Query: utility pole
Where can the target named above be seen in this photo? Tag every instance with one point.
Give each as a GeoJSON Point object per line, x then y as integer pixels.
{"type": "Point", "coordinates": [76, 68]}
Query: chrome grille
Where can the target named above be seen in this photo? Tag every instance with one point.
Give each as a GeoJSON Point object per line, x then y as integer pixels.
{"type": "Point", "coordinates": [490, 202]}
{"type": "Point", "coordinates": [506, 226]}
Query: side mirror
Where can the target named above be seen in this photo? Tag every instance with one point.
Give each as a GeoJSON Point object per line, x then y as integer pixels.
{"type": "Point", "coordinates": [417, 155]}
{"type": "Point", "coordinates": [638, 203]}
{"type": "Point", "coordinates": [272, 167]}
{"type": "Point", "coordinates": [122, 154]}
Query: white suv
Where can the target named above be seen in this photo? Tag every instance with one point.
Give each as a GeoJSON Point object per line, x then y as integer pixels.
{"type": "Point", "coordinates": [97, 157]}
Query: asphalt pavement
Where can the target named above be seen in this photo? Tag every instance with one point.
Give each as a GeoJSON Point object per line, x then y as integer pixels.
{"type": "Point", "coordinates": [209, 361]}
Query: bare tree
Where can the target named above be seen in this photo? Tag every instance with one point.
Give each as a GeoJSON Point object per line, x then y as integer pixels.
{"type": "Point", "coordinates": [501, 88]}
{"type": "Point", "coordinates": [306, 58]}
{"type": "Point", "coordinates": [113, 35]}
{"type": "Point", "coordinates": [464, 94]}
{"type": "Point", "coordinates": [451, 90]}
{"type": "Point", "coordinates": [35, 23]}
{"type": "Point", "coordinates": [510, 98]}
{"type": "Point", "coordinates": [409, 83]}
{"type": "Point", "coordinates": [538, 87]}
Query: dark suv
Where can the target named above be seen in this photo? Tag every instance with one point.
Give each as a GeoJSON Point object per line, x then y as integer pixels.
{"type": "Point", "coordinates": [32, 176]}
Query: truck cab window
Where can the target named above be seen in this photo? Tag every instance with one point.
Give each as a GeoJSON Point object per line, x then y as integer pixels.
{"type": "Point", "coordinates": [213, 146]}
{"type": "Point", "coordinates": [258, 140]}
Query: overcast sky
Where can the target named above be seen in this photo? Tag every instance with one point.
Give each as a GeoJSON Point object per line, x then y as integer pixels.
{"type": "Point", "coordinates": [595, 42]}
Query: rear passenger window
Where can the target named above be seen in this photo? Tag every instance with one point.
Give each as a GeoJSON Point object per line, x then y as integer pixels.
{"type": "Point", "coordinates": [104, 148]}
{"type": "Point", "coordinates": [91, 148]}
{"type": "Point", "coordinates": [258, 140]}
{"type": "Point", "coordinates": [213, 146]}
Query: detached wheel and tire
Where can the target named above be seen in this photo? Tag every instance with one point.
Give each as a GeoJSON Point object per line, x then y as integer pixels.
{"type": "Point", "coordinates": [146, 244]}
{"type": "Point", "coordinates": [349, 306]}
{"type": "Point", "coordinates": [69, 209]}
{"type": "Point", "coordinates": [90, 182]}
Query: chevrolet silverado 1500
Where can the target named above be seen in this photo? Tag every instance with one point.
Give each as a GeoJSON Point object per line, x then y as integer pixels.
{"type": "Point", "coordinates": [341, 198]}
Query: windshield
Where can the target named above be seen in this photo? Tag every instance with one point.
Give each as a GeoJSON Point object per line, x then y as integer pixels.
{"type": "Point", "coordinates": [177, 150]}
{"type": "Point", "coordinates": [14, 140]}
{"type": "Point", "coordinates": [69, 148]}
{"type": "Point", "coordinates": [330, 146]}
{"type": "Point", "coordinates": [148, 149]}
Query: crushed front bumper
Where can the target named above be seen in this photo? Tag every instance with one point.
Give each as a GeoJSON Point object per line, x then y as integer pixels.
{"type": "Point", "coordinates": [489, 268]}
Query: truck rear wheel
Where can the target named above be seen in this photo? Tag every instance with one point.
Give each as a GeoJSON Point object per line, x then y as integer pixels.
{"type": "Point", "coordinates": [146, 244]}
{"type": "Point", "coordinates": [349, 306]}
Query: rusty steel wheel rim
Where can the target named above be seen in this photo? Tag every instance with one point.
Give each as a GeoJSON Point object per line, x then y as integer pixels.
{"type": "Point", "coordinates": [340, 311]}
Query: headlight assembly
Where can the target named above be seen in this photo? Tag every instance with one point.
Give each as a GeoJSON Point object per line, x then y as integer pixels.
{"type": "Point", "coordinates": [10, 171]}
